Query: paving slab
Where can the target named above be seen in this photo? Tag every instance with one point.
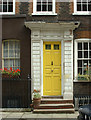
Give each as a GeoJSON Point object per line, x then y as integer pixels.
{"type": "Point", "coordinates": [59, 115]}
{"type": "Point", "coordinates": [31, 116]}
{"type": "Point", "coordinates": [15, 115]}
{"type": "Point", "coordinates": [45, 116]}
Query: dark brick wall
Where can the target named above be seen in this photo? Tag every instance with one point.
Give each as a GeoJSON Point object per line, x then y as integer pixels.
{"type": "Point", "coordinates": [13, 28]}
{"type": "Point", "coordinates": [82, 88]}
{"type": "Point", "coordinates": [0, 43]}
{"type": "Point", "coordinates": [24, 7]}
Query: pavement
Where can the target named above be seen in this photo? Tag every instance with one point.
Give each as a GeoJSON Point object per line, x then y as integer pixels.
{"type": "Point", "coordinates": [31, 116]}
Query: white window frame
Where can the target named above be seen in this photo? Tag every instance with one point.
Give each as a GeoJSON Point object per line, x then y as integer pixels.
{"type": "Point", "coordinates": [75, 55]}
{"type": "Point", "coordinates": [35, 12]}
{"type": "Point", "coordinates": [13, 58]}
{"type": "Point", "coordinates": [80, 12]}
{"type": "Point", "coordinates": [8, 13]}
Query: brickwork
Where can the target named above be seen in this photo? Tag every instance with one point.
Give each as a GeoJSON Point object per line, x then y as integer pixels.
{"type": "Point", "coordinates": [57, 7]}
{"type": "Point", "coordinates": [30, 8]}
{"type": "Point", "coordinates": [71, 7]}
{"type": "Point", "coordinates": [83, 34]}
{"type": "Point", "coordinates": [82, 88]}
{"type": "Point", "coordinates": [24, 7]}
{"type": "Point", "coordinates": [17, 11]}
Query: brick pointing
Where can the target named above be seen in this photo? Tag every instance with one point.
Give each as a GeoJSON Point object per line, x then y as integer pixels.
{"type": "Point", "coordinates": [24, 7]}
{"type": "Point", "coordinates": [82, 88]}
{"type": "Point", "coordinates": [17, 11]}
{"type": "Point", "coordinates": [83, 34]}
{"type": "Point", "coordinates": [30, 7]}
{"type": "Point", "coordinates": [57, 7]}
{"type": "Point", "coordinates": [71, 7]}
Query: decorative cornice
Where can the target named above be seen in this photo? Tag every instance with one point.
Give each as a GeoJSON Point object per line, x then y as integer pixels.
{"type": "Point", "coordinates": [52, 26]}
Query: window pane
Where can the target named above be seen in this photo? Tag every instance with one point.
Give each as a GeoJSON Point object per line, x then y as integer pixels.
{"type": "Point", "coordinates": [79, 70]}
{"type": "Point", "coordinates": [38, 5]}
{"type": "Point", "coordinates": [90, 46]}
{"type": "Point", "coordinates": [11, 53]}
{"type": "Point", "coordinates": [5, 45]}
{"type": "Point", "coordinates": [85, 54]}
{"type": "Point", "coordinates": [10, 6]}
{"type": "Point", "coordinates": [85, 46]}
{"type": "Point", "coordinates": [5, 53]}
{"type": "Point", "coordinates": [85, 67]}
{"type": "Point", "coordinates": [11, 45]}
{"type": "Point", "coordinates": [50, 5]}
{"type": "Point", "coordinates": [17, 63]}
{"type": "Point", "coordinates": [89, 54]}
{"type": "Point", "coordinates": [4, 6]}
{"type": "Point", "coordinates": [79, 63]}
{"type": "Point", "coordinates": [44, 5]}
{"type": "Point", "coordinates": [79, 46]}
{"type": "Point", "coordinates": [78, 1]}
{"type": "Point", "coordinates": [56, 47]}
{"type": "Point", "coordinates": [5, 63]}
{"type": "Point", "coordinates": [0, 7]}
{"type": "Point", "coordinates": [89, 63]}
{"type": "Point", "coordinates": [79, 54]}
{"type": "Point", "coordinates": [17, 53]}
{"type": "Point", "coordinates": [84, 1]}
{"type": "Point", "coordinates": [89, 6]}
{"type": "Point", "coordinates": [48, 47]}
{"type": "Point", "coordinates": [11, 63]}
{"type": "Point", "coordinates": [85, 71]}
{"type": "Point", "coordinates": [78, 7]}
{"type": "Point", "coordinates": [85, 63]}
{"type": "Point", "coordinates": [84, 7]}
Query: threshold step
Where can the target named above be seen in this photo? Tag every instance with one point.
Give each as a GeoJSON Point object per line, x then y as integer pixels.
{"type": "Point", "coordinates": [53, 111]}
{"type": "Point", "coordinates": [55, 106]}
{"type": "Point", "coordinates": [52, 97]}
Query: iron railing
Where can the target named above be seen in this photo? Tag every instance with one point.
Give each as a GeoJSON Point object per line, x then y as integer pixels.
{"type": "Point", "coordinates": [16, 93]}
{"type": "Point", "coordinates": [80, 100]}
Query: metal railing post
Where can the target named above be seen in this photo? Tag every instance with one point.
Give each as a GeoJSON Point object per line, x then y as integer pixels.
{"type": "Point", "coordinates": [29, 91]}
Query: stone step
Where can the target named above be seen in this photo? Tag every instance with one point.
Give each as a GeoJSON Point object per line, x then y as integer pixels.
{"type": "Point", "coordinates": [52, 97]}
{"type": "Point", "coordinates": [55, 106]}
{"type": "Point", "coordinates": [46, 111]}
{"type": "Point", "coordinates": [55, 101]}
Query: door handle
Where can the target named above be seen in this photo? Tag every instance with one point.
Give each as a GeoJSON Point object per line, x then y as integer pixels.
{"type": "Point", "coordinates": [51, 62]}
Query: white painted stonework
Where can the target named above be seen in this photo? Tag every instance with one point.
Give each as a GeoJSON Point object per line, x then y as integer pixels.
{"type": "Point", "coordinates": [63, 32]}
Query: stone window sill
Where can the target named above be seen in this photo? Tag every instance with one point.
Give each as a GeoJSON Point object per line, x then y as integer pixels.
{"type": "Point", "coordinates": [81, 80]}
{"type": "Point", "coordinates": [44, 13]}
{"type": "Point", "coordinates": [81, 13]}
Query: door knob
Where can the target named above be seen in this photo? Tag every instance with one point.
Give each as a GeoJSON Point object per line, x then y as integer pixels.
{"type": "Point", "coordinates": [51, 70]}
{"type": "Point", "coordinates": [51, 62]}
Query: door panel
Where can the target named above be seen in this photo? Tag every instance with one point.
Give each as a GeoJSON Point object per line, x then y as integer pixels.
{"type": "Point", "coordinates": [52, 68]}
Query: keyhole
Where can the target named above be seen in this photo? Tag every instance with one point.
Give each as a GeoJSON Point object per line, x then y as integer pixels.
{"type": "Point", "coordinates": [51, 62]}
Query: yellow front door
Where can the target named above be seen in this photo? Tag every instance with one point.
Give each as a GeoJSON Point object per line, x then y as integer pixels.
{"type": "Point", "coordinates": [52, 68]}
